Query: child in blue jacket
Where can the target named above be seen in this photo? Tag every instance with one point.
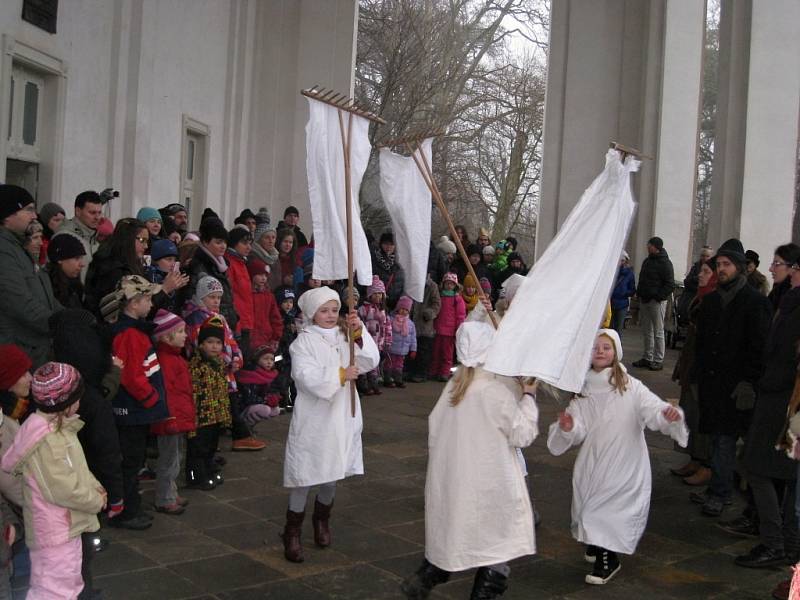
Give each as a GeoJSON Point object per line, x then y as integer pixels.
{"type": "Point", "coordinates": [404, 343]}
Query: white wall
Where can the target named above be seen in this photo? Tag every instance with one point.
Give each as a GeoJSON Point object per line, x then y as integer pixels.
{"type": "Point", "coordinates": [136, 67]}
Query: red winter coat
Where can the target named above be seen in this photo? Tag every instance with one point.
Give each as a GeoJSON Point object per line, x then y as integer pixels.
{"type": "Point", "coordinates": [178, 384]}
{"type": "Point", "coordinates": [268, 322]}
{"type": "Point", "coordinates": [242, 290]}
{"type": "Point", "coordinates": [451, 315]}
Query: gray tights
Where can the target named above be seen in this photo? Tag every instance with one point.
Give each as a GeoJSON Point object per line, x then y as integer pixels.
{"type": "Point", "coordinates": [299, 496]}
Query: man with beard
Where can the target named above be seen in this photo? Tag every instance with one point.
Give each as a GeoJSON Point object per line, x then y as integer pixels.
{"type": "Point", "coordinates": [732, 325]}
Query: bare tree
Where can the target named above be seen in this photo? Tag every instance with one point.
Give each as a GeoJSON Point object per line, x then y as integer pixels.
{"type": "Point", "coordinates": [446, 63]}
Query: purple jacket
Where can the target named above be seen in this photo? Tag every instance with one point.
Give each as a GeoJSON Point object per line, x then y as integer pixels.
{"type": "Point", "coordinates": [403, 344]}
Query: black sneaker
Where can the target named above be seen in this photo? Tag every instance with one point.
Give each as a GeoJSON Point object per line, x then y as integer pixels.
{"type": "Point", "coordinates": [642, 363]}
{"type": "Point", "coordinates": [739, 526]}
{"type": "Point", "coordinates": [591, 554]}
{"type": "Point", "coordinates": [419, 585]}
{"type": "Point", "coordinates": [137, 523]}
{"type": "Point", "coordinates": [606, 565]}
{"type": "Point", "coordinates": [656, 366]}
{"type": "Point", "coordinates": [205, 486]}
{"type": "Point", "coordinates": [761, 557]}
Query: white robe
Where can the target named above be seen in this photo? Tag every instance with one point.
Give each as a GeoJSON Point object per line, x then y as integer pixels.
{"type": "Point", "coordinates": [611, 480]}
{"type": "Point", "coordinates": [477, 509]}
{"type": "Point", "coordinates": [324, 442]}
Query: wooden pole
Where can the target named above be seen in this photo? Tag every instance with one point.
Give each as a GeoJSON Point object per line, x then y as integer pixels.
{"type": "Point", "coordinates": [349, 218]}
{"type": "Point", "coordinates": [427, 175]}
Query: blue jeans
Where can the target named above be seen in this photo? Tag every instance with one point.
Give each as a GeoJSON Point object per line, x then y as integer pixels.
{"type": "Point", "coordinates": [618, 319]}
{"type": "Point", "coordinates": [723, 463]}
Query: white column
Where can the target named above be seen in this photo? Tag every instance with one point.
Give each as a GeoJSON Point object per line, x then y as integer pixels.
{"type": "Point", "coordinates": [773, 101]}
{"type": "Point", "coordinates": [684, 30]}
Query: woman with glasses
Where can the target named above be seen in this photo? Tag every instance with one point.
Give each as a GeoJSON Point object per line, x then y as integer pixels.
{"type": "Point", "coordinates": [772, 475]}
{"type": "Point", "coordinates": [120, 255]}
{"type": "Point", "coordinates": [780, 269]}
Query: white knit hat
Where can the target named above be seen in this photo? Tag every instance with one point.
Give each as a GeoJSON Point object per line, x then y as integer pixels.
{"type": "Point", "coordinates": [473, 339]}
{"type": "Point", "coordinates": [311, 301]}
{"type": "Point", "coordinates": [615, 338]}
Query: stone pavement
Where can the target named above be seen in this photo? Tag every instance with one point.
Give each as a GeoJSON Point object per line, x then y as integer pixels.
{"type": "Point", "coordinates": [226, 545]}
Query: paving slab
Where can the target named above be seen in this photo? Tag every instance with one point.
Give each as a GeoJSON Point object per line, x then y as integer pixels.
{"type": "Point", "coordinates": [226, 545]}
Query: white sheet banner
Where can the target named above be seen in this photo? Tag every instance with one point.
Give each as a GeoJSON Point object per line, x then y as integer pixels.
{"type": "Point", "coordinates": [549, 330]}
{"type": "Point", "coordinates": [326, 191]}
{"type": "Point", "coordinates": [408, 201]}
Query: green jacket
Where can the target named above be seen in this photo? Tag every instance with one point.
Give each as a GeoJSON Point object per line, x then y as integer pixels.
{"type": "Point", "coordinates": [62, 497]}
{"type": "Point", "coordinates": [28, 300]}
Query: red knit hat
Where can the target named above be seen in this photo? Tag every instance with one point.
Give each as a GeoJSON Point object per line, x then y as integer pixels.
{"type": "Point", "coordinates": [256, 266]}
{"type": "Point", "coordinates": [13, 365]}
{"type": "Point", "coordinates": [56, 386]}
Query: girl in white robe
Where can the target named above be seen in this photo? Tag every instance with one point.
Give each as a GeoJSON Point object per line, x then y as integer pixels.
{"type": "Point", "coordinates": [611, 478]}
{"type": "Point", "coordinates": [477, 509]}
{"type": "Point", "coordinates": [324, 443]}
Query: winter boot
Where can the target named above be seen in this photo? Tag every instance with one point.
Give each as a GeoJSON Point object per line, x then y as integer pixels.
{"type": "Point", "coordinates": [488, 584]}
{"type": "Point", "coordinates": [419, 585]}
{"type": "Point", "coordinates": [292, 546]}
{"type": "Point", "coordinates": [322, 533]}
{"type": "Point", "coordinates": [398, 379]}
{"type": "Point", "coordinates": [606, 565]}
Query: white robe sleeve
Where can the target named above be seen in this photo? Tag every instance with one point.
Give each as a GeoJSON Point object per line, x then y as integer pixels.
{"type": "Point", "coordinates": [519, 420]}
{"type": "Point", "coordinates": [311, 376]}
{"type": "Point", "coordinates": [559, 441]}
{"type": "Point", "coordinates": [367, 355]}
{"type": "Point", "coordinates": [651, 409]}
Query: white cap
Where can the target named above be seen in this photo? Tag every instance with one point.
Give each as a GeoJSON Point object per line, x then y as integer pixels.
{"type": "Point", "coordinates": [473, 339]}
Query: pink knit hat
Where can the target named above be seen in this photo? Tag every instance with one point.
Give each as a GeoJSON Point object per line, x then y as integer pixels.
{"type": "Point", "coordinates": [166, 322]}
{"type": "Point", "coordinates": [450, 277]}
{"type": "Point", "coordinates": [377, 287]}
{"type": "Point", "coordinates": [56, 386]}
{"type": "Point", "coordinates": [405, 302]}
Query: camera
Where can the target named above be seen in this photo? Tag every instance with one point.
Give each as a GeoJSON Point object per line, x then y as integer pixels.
{"type": "Point", "coordinates": [108, 194]}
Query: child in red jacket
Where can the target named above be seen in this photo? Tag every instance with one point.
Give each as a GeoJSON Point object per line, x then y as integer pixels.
{"type": "Point", "coordinates": [170, 336]}
{"type": "Point", "coordinates": [449, 319]}
{"type": "Point", "coordinates": [268, 322]}
{"type": "Point", "coordinates": [240, 243]}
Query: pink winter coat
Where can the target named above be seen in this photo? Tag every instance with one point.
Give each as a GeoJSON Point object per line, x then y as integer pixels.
{"type": "Point", "coordinates": [377, 323]}
{"type": "Point", "coordinates": [451, 315]}
{"type": "Point", "coordinates": [61, 495]}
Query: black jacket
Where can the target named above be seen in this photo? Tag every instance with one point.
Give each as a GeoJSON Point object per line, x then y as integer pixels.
{"type": "Point", "coordinates": [729, 349]}
{"type": "Point", "coordinates": [774, 391]}
{"type": "Point", "coordinates": [657, 278]}
{"type": "Point", "coordinates": [87, 347]}
{"type": "Point", "coordinates": [105, 271]}
{"type": "Point", "coordinates": [202, 264]}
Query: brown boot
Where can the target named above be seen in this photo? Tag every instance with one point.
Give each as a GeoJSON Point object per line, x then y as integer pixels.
{"type": "Point", "coordinates": [701, 477]}
{"type": "Point", "coordinates": [292, 547]}
{"type": "Point", "coordinates": [322, 533]}
{"type": "Point", "coordinates": [687, 470]}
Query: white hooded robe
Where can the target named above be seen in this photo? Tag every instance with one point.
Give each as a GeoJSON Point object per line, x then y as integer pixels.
{"type": "Point", "coordinates": [611, 480]}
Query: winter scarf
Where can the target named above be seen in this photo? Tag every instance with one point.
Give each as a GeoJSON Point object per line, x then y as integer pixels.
{"type": "Point", "coordinates": [385, 261]}
{"type": "Point", "coordinates": [728, 291]}
{"type": "Point", "coordinates": [218, 260]}
{"type": "Point", "coordinates": [400, 324]}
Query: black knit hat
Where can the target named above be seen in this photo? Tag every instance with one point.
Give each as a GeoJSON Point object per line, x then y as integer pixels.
{"type": "Point", "coordinates": [656, 241]}
{"type": "Point", "coordinates": [752, 256]}
{"type": "Point", "coordinates": [474, 249]}
{"type": "Point", "coordinates": [214, 327]}
{"type": "Point", "coordinates": [63, 247]}
{"type": "Point", "coordinates": [208, 214]}
{"type": "Point", "coordinates": [291, 210]}
{"type": "Point", "coordinates": [386, 237]}
{"type": "Point", "coordinates": [213, 229]}
{"type": "Point", "coordinates": [244, 215]}
{"type": "Point", "coordinates": [12, 199]}
{"type": "Point", "coordinates": [238, 234]}
{"type": "Point", "coordinates": [733, 250]}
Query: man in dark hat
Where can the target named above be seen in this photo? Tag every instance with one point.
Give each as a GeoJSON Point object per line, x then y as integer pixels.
{"type": "Point", "coordinates": [656, 280]}
{"type": "Point", "coordinates": [28, 293]}
{"type": "Point", "coordinates": [732, 326]}
{"type": "Point", "coordinates": [291, 220]}
{"type": "Point", "coordinates": [755, 277]}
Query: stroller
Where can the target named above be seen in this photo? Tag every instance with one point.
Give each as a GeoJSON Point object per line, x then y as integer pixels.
{"type": "Point", "coordinates": [676, 319]}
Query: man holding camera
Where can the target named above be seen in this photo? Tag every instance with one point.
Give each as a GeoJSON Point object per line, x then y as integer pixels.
{"type": "Point", "coordinates": [88, 212]}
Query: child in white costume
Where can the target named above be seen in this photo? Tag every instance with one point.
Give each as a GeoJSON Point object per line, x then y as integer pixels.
{"type": "Point", "coordinates": [324, 443]}
{"type": "Point", "coordinates": [611, 479]}
{"type": "Point", "coordinates": [477, 509]}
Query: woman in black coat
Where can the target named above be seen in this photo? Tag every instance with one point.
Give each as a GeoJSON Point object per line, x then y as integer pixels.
{"type": "Point", "coordinates": [762, 461]}
{"type": "Point", "coordinates": [120, 255]}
